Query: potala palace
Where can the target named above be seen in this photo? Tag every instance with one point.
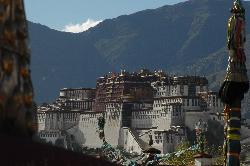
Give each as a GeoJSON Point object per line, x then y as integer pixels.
{"type": "Point", "coordinates": [136, 106]}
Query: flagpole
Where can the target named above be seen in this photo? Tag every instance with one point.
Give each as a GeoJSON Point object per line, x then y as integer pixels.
{"type": "Point", "coordinates": [235, 84]}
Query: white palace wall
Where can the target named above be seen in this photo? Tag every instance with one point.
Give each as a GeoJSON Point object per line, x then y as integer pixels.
{"type": "Point", "coordinates": [41, 121]}
{"type": "Point", "coordinates": [88, 127]}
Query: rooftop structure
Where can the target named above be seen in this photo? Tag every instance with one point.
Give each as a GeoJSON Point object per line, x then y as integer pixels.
{"type": "Point", "coordinates": [123, 87]}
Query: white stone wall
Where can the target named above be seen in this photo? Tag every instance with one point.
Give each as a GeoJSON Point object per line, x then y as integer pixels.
{"type": "Point", "coordinates": [191, 104]}
{"type": "Point", "coordinates": [214, 104]}
{"type": "Point", "coordinates": [50, 136]}
{"type": "Point", "coordinates": [158, 140]}
{"type": "Point", "coordinates": [113, 123]}
{"type": "Point", "coordinates": [160, 103]}
{"type": "Point", "coordinates": [165, 120]}
{"type": "Point", "coordinates": [41, 121]}
{"type": "Point", "coordinates": [53, 121]}
{"type": "Point", "coordinates": [57, 120]}
{"type": "Point", "coordinates": [180, 93]}
{"type": "Point", "coordinates": [86, 133]}
{"type": "Point", "coordinates": [166, 140]}
{"type": "Point", "coordinates": [70, 119]}
{"type": "Point", "coordinates": [168, 143]}
{"type": "Point", "coordinates": [88, 126]}
{"type": "Point", "coordinates": [113, 127]}
{"type": "Point", "coordinates": [171, 90]}
{"type": "Point", "coordinates": [78, 93]}
{"type": "Point", "coordinates": [185, 90]}
{"type": "Point", "coordinates": [172, 139]}
{"type": "Point", "coordinates": [130, 143]}
{"type": "Point", "coordinates": [143, 119]}
{"type": "Point", "coordinates": [169, 114]}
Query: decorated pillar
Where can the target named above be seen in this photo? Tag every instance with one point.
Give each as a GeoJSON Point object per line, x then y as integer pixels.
{"type": "Point", "coordinates": [200, 130]}
{"type": "Point", "coordinates": [16, 91]}
{"type": "Point", "coordinates": [235, 84]}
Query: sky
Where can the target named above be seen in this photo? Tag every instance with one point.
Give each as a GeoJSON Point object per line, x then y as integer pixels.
{"type": "Point", "coordinates": [79, 15]}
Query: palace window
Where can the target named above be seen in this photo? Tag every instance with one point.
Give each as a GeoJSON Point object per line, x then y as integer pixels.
{"type": "Point", "coordinates": [191, 90]}
{"type": "Point", "coordinates": [182, 89]}
{"type": "Point", "coordinates": [167, 139]}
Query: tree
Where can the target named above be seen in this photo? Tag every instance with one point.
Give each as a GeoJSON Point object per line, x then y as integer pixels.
{"type": "Point", "coordinates": [186, 158]}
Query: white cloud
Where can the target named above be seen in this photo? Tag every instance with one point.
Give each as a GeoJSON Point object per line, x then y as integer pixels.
{"type": "Point", "coordinates": [76, 28]}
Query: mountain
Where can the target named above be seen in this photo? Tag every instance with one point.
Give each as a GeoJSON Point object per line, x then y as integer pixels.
{"type": "Point", "coordinates": [61, 60]}
{"type": "Point", "coordinates": [186, 38]}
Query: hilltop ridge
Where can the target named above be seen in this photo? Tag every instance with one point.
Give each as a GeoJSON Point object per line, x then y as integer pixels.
{"type": "Point", "coordinates": [185, 38]}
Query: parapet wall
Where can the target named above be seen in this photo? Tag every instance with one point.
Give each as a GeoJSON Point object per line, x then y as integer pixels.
{"type": "Point", "coordinates": [88, 126]}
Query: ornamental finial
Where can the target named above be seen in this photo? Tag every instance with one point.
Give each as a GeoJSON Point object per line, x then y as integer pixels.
{"type": "Point", "coordinates": [238, 7]}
